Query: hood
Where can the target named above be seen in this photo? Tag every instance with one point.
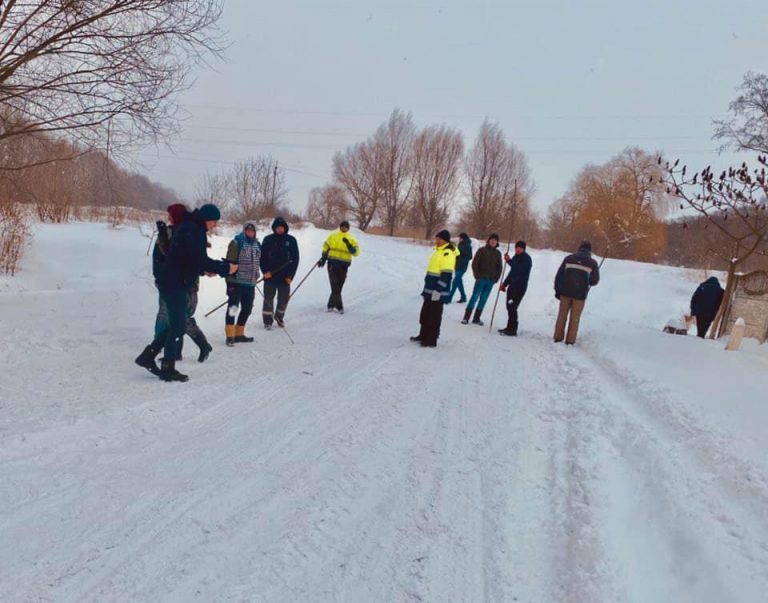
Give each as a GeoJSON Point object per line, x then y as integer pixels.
{"type": "Point", "coordinates": [712, 280]}
{"type": "Point", "coordinates": [280, 221]}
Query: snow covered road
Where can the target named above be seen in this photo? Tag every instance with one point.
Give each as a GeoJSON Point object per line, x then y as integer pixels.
{"type": "Point", "coordinates": [356, 466]}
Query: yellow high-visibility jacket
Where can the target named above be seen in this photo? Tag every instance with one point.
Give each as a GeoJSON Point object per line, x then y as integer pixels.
{"type": "Point", "coordinates": [440, 271]}
{"type": "Point", "coordinates": [336, 250]}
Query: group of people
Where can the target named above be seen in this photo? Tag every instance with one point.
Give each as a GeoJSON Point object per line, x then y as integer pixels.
{"type": "Point", "coordinates": [180, 258]}
{"type": "Point", "coordinates": [449, 263]}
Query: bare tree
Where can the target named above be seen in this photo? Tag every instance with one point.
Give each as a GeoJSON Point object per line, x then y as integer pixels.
{"type": "Point", "coordinates": [356, 170]}
{"type": "Point", "coordinates": [437, 153]}
{"type": "Point", "coordinates": [747, 127]}
{"type": "Point", "coordinates": [256, 188]}
{"type": "Point", "coordinates": [83, 67]}
{"type": "Point", "coordinates": [327, 206]}
{"type": "Point", "coordinates": [393, 142]}
{"type": "Point", "coordinates": [735, 204]}
{"type": "Point", "coordinates": [499, 181]}
{"type": "Point", "coordinates": [213, 188]}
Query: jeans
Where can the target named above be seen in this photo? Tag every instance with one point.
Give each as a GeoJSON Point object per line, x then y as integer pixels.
{"type": "Point", "coordinates": [480, 293]}
{"type": "Point", "coordinates": [458, 283]}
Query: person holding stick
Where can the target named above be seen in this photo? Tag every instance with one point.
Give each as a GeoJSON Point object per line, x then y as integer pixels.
{"type": "Point", "coordinates": [486, 267]}
{"type": "Point", "coordinates": [245, 251]}
{"type": "Point", "coordinates": [516, 284]}
{"type": "Point", "coordinates": [279, 262]}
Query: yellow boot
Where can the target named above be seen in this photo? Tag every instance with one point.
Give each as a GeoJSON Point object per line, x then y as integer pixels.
{"type": "Point", "coordinates": [230, 331]}
{"type": "Point", "coordinates": [240, 336]}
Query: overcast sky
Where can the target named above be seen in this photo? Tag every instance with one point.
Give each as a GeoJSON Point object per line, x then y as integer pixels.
{"type": "Point", "coordinates": [570, 82]}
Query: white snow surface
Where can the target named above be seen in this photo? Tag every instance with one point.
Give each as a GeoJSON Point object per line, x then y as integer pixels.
{"type": "Point", "coordinates": [357, 466]}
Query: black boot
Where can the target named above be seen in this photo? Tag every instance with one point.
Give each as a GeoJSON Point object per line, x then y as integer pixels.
{"type": "Point", "coordinates": [243, 339]}
{"type": "Point", "coordinates": [467, 314]}
{"type": "Point", "coordinates": [510, 329]}
{"type": "Point", "coordinates": [168, 371]}
{"type": "Point", "coordinates": [205, 347]}
{"type": "Point", "coordinates": [147, 360]}
{"type": "Point", "coordinates": [476, 320]}
{"type": "Point", "coordinates": [178, 354]}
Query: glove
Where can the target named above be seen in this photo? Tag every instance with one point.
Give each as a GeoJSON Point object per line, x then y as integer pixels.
{"type": "Point", "coordinates": [435, 296]}
{"type": "Point", "coordinates": [503, 287]}
{"type": "Point", "coordinates": [321, 261]}
{"type": "Point", "coordinates": [160, 225]}
{"type": "Point", "coordinates": [349, 245]}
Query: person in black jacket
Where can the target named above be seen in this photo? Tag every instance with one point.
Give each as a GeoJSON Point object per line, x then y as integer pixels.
{"type": "Point", "coordinates": [486, 267]}
{"type": "Point", "coordinates": [516, 284]}
{"type": "Point", "coordinates": [279, 262]}
{"type": "Point", "coordinates": [462, 264]}
{"type": "Point", "coordinates": [705, 303]}
{"type": "Point", "coordinates": [578, 272]}
{"type": "Point", "coordinates": [187, 259]}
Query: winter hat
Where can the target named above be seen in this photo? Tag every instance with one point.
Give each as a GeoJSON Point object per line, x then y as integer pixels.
{"type": "Point", "coordinates": [586, 245]}
{"type": "Point", "coordinates": [177, 211]}
{"type": "Point", "coordinates": [279, 221]}
{"type": "Point", "coordinates": [494, 236]}
{"type": "Point", "coordinates": [521, 244]}
{"type": "Point", "coordinates": [444, 235]}
{"type": "Point", "coordinates": [344, 224]}
{"type": "Point", "coordinates": [209, 212]}
{"type": "Point", "coordinates": [463, 236]}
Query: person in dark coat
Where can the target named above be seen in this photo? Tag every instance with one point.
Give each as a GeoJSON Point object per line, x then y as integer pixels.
{"type": "Point", "coordinates": [516, 284]}
{"type": "Point", "coordinates": [187, 259]}
{"type": "Point", "coordinates": [462, 264]}
{"type": "Point", "coordinates": [486, 267]}
{"type": "Point", "coordinates": [176, 214]}
{"type": "Point", "coordinates": [705, 303]}
{"type": "Point", "coordinates": [578, 272]}
{"type": "Point", "coordinates": [279, 263]}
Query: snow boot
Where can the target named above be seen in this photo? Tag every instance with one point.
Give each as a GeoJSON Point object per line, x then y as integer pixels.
{"type": "Point", "coordinates": [240, 336]}
{"type": "Point", "coordinates": [147, 360]}
{"type": "Point", "coordinates": [230, 331]}
{"type": "Point", "coordinates": [508, 331]}
{"type": "Point", "coordinates": [467, 314]}
{"type": "Point", "coordinates": [428, 344]}
{"type": "Point", "coordinates": [205, 347]}
{"type": "Point", "coordinates": [279, 320]}
{"type": "Point", "coordinates": [416, 338]}
{"type": "Point", "coordinates": [476, 320]}
{"type": "Point", "coordinates": [169, 373]}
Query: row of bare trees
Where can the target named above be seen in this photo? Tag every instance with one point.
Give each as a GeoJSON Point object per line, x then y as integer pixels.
{"type": "Point", "coordinates": [423, 178]}
{"type": "Point", "coordinates": [252, 189]}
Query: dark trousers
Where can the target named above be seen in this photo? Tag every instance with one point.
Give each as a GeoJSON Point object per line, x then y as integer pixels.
{"type": "Point", "coordinates": [702, 325]}
{"type": "Point", "coordinates": [513, 302]}
{"type": "Point", "coordinates": [283, 291]}
{"type": "Point", "coordinates": [337, 275]}
{"type": "Point", "coordinates": [191, 327]}
{"type": "Point", "coordinates": [242, 296]}
{"type": "Point", "coordinates": [176, 303]}
{"type": "Point", "coordinates": [430, 318]}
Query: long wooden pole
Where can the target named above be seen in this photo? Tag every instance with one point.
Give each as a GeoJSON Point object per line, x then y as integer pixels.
{"type": "Point", "coordinates": [504, 264]}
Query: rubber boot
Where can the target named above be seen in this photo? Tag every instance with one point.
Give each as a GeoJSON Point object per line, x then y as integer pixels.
{"type": "Point", "coordinates": [476, 320]}
{"type": "Point", "coordinates": [467, 314]}
{"type": "Point", "coordinates": [240, 336]}
{"type": "Point", "coordinates": [169, 373]}
{"type": "Point", "coordinates": [147, 360]}
{"type": "Point", "coordinates": [230, 331]}
{"type": "Point", "coordinates": [205, 347]}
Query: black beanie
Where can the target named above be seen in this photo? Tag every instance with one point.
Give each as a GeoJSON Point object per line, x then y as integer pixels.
{"type": "Point", "coordinates": [344, 224]}
{"type": "Point", "coordinates": [444, 235]}
{"type": "Point", "coordinates": [521, 244]}
{"type": "Point", "coordinates": [494, 236]}
{"type": "Point", "coordinates": [209, 212]}
{"type": "Point", "coordinates": [586, 245]}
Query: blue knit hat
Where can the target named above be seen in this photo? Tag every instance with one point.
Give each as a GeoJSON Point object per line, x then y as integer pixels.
{"type": "Point", "coordinates": [209, 212]}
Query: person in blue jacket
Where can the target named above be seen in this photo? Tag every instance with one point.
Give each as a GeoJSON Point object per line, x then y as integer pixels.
{"type": "Point", "coordinates": [462, 264]}
{"type": "Point", "coordinates": [516, 284]}
{"type": "Point", "coordinates": [279, 262]}
{"type": "Point", "coordinates": [187, 259]}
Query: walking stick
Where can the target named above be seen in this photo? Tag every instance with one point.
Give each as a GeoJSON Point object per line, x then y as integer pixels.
{"type": "Point", "coordinates": [224, 303]}
{"type": "Point", "coordinates": [283, 327]}
{"type": "Point", "coordinates": [301, 282]}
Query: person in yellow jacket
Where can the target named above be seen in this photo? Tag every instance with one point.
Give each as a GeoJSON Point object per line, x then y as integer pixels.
{"type": "Point", "coordinates": [437, 286]}
{"type": "Point", "coordinates": [338, 250]}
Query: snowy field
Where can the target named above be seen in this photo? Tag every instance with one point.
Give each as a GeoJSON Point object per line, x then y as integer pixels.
{"type": "Point", "coordinates": [355, 466]}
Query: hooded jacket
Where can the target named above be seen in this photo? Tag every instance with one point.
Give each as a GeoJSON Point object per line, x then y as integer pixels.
{"type": "Point", "coordinates": [279, 253]}
{"type": "Point", "coordinates": [707, 298]}
{"type": "Point", "coordinates": [465, 251]}
{"type": "Point", "coordinates": [187, 257]}
{"type": "Point", "coordinates": [246, 253]}
{"type": "Point", "coordinates": [578, 272]}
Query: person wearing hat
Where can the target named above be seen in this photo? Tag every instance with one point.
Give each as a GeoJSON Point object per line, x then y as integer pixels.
{"type": "Point", "coordinates": [437, 284]}
{"type": "Point", "coordinates": [578, 272]}
{"type": "Point", "coordinates": [486, 267]}
{"type": "Point", "coordinates": [516, 284]}
{"type": "Point", "coordinates": [462, 263]}
{"type": "Point", "coordinates": [187, 259]}
{"type": "Point", "coordinates": [338, 250]}
{"type": "Point", "coordinates": [279, 262]}
{"type": "Point", "coordinates": [245, 251]}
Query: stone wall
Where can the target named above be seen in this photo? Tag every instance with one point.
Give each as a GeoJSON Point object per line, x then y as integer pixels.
{"type": "Point", "coordinates": [750, 302]}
